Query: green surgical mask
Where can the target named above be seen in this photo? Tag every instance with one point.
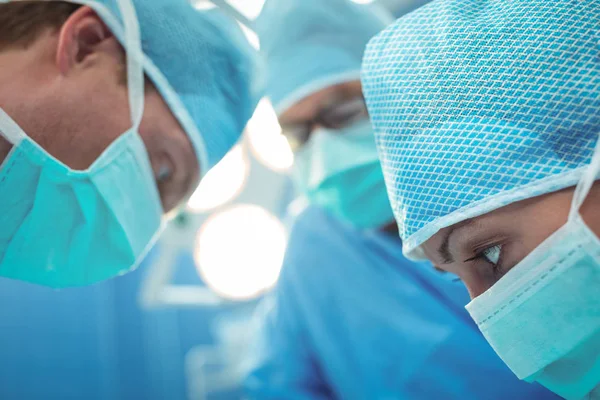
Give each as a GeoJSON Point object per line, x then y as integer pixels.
{"type": "Point", "coordinates": [340, 171]}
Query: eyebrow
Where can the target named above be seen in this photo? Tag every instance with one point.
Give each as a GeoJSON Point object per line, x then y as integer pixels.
{"type": "Point", "coordinates": [323, 105]}
{"type": "Point", "coordinates": [444, 249]}
{"type": "Point", "coordinates": [326, 104]}
{"type": "Point", "coordinates": [307, 112]}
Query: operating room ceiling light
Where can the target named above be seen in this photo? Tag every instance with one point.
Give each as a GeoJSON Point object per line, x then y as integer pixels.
{"type": "Point", "coordinates": [222, 183]}
{"type": "Point", "coordinates": [266, 140]}
{"type": "Point", "coordinates": [239, 251]}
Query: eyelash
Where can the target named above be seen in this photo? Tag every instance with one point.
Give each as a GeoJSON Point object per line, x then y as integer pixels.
{"type": "Point", "coordinates": [481, 255]}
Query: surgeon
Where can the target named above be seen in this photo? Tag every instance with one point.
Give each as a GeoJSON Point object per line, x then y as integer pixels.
{"type": "Point", "coordinates": [351, 318]}
{"type": "Point", "coordinates": [487, 116]}
{"type": "Point", "coordinates": [110, 113]}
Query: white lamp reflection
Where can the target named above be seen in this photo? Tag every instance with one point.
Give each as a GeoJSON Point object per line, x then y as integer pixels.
{"type": "Point", "coordinates": [250, 8]}
{"type": "Point", "coordinates": [239, 251]}
{"type": "Point", "coordinates": [266, 140]}
{"type": "Point", "coordinates": [222, 183]}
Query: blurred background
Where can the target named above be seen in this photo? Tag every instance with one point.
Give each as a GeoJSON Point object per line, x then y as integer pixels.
{"type": "Point", "coordinates": [179, 326]}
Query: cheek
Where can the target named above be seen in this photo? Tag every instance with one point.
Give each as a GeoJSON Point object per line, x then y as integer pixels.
{"type": "Point", "coordinates": [82, 123]}
{"type": "Point", "coordinates": [477, 276]}
{"type": "Point", "coordinates": [591, 211]}
{"type": "Point", "coordinates": [151, 133]}
{"type": "Point", "coordinates": [593, 221]}
{"type": "Point", "coordinates": [476, 284]}
{"type": "Point", "coordinates": [4, 149]}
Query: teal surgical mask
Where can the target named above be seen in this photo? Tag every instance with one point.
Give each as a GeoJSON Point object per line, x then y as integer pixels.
{"type": "Point", "coordinates": [340, 171]}
{"type": "Point", "coordinates": [543, 316]}
{"type": "Point", "coordinates": [60, 227]}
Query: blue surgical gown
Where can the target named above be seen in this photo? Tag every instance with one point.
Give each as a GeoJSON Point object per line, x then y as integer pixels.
{"type": "Point", "coordinates": [351, 318]}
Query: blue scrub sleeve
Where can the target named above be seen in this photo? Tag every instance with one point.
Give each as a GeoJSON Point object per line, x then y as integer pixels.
{"type": "Point", "coordinates": [282, 363]}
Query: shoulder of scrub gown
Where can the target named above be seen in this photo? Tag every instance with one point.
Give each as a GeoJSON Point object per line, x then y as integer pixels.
{"type": "Point", "coordinates": [352, 318]}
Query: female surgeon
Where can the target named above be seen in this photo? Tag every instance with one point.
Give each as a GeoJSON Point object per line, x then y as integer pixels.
{"type": "Point", "coordinates": [487, 117]}
{"type": "Point", "coordinates": [351, 317]}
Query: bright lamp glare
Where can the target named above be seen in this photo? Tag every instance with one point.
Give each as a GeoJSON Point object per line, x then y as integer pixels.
{"type": "Point", "coordinates": [363, 1]}
{"type": "Point", "coordinates": [251, 36]}
{"type": "Point", "coordinates": [250, 8]}
{"type": "Point", "coordinates": [239, 252]}
{"type": "Point", "coordinates": [222, 183]}
{"type": "Point", "coordinates": [266, 140]}
{"type": "Point", "coordinates": [203, 5]}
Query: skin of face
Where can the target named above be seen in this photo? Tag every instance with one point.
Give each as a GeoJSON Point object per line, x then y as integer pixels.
{"type": "Point", "coordinates": [470, 248]}
{"type": "Point", "coordinates": [67, 92]}
{"type": "Point", "coordinates": [308, 108]}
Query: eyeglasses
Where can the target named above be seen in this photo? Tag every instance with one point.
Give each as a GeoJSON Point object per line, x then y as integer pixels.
{"type": "Point", "coordinates": [337, 116]}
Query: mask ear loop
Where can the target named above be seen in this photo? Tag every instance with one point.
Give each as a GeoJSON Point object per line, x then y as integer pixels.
{"type": "Point", "coordinates": [585, 184]}
{"type": "Point", "coordinates": [134, 55]}
{"type": "Point", "coordinates": [588, 178]}
{"type": "Point", "coordinates": [10, 130]}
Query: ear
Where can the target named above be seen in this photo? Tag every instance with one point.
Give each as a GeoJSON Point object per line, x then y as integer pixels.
{"type": "Point", "coordinates": [83, 36]}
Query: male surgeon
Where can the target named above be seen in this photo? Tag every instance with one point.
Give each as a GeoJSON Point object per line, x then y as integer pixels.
{"type": "Point", "coordinates": [110, 113]}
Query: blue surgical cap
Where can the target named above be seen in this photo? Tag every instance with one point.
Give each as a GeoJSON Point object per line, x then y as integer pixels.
{"type": "Point", "coordinates": [201, 63]}
{"type": "Point", "coordinates": [312, 44]}
{"type": "Point", "coordinates": [478, 104]}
